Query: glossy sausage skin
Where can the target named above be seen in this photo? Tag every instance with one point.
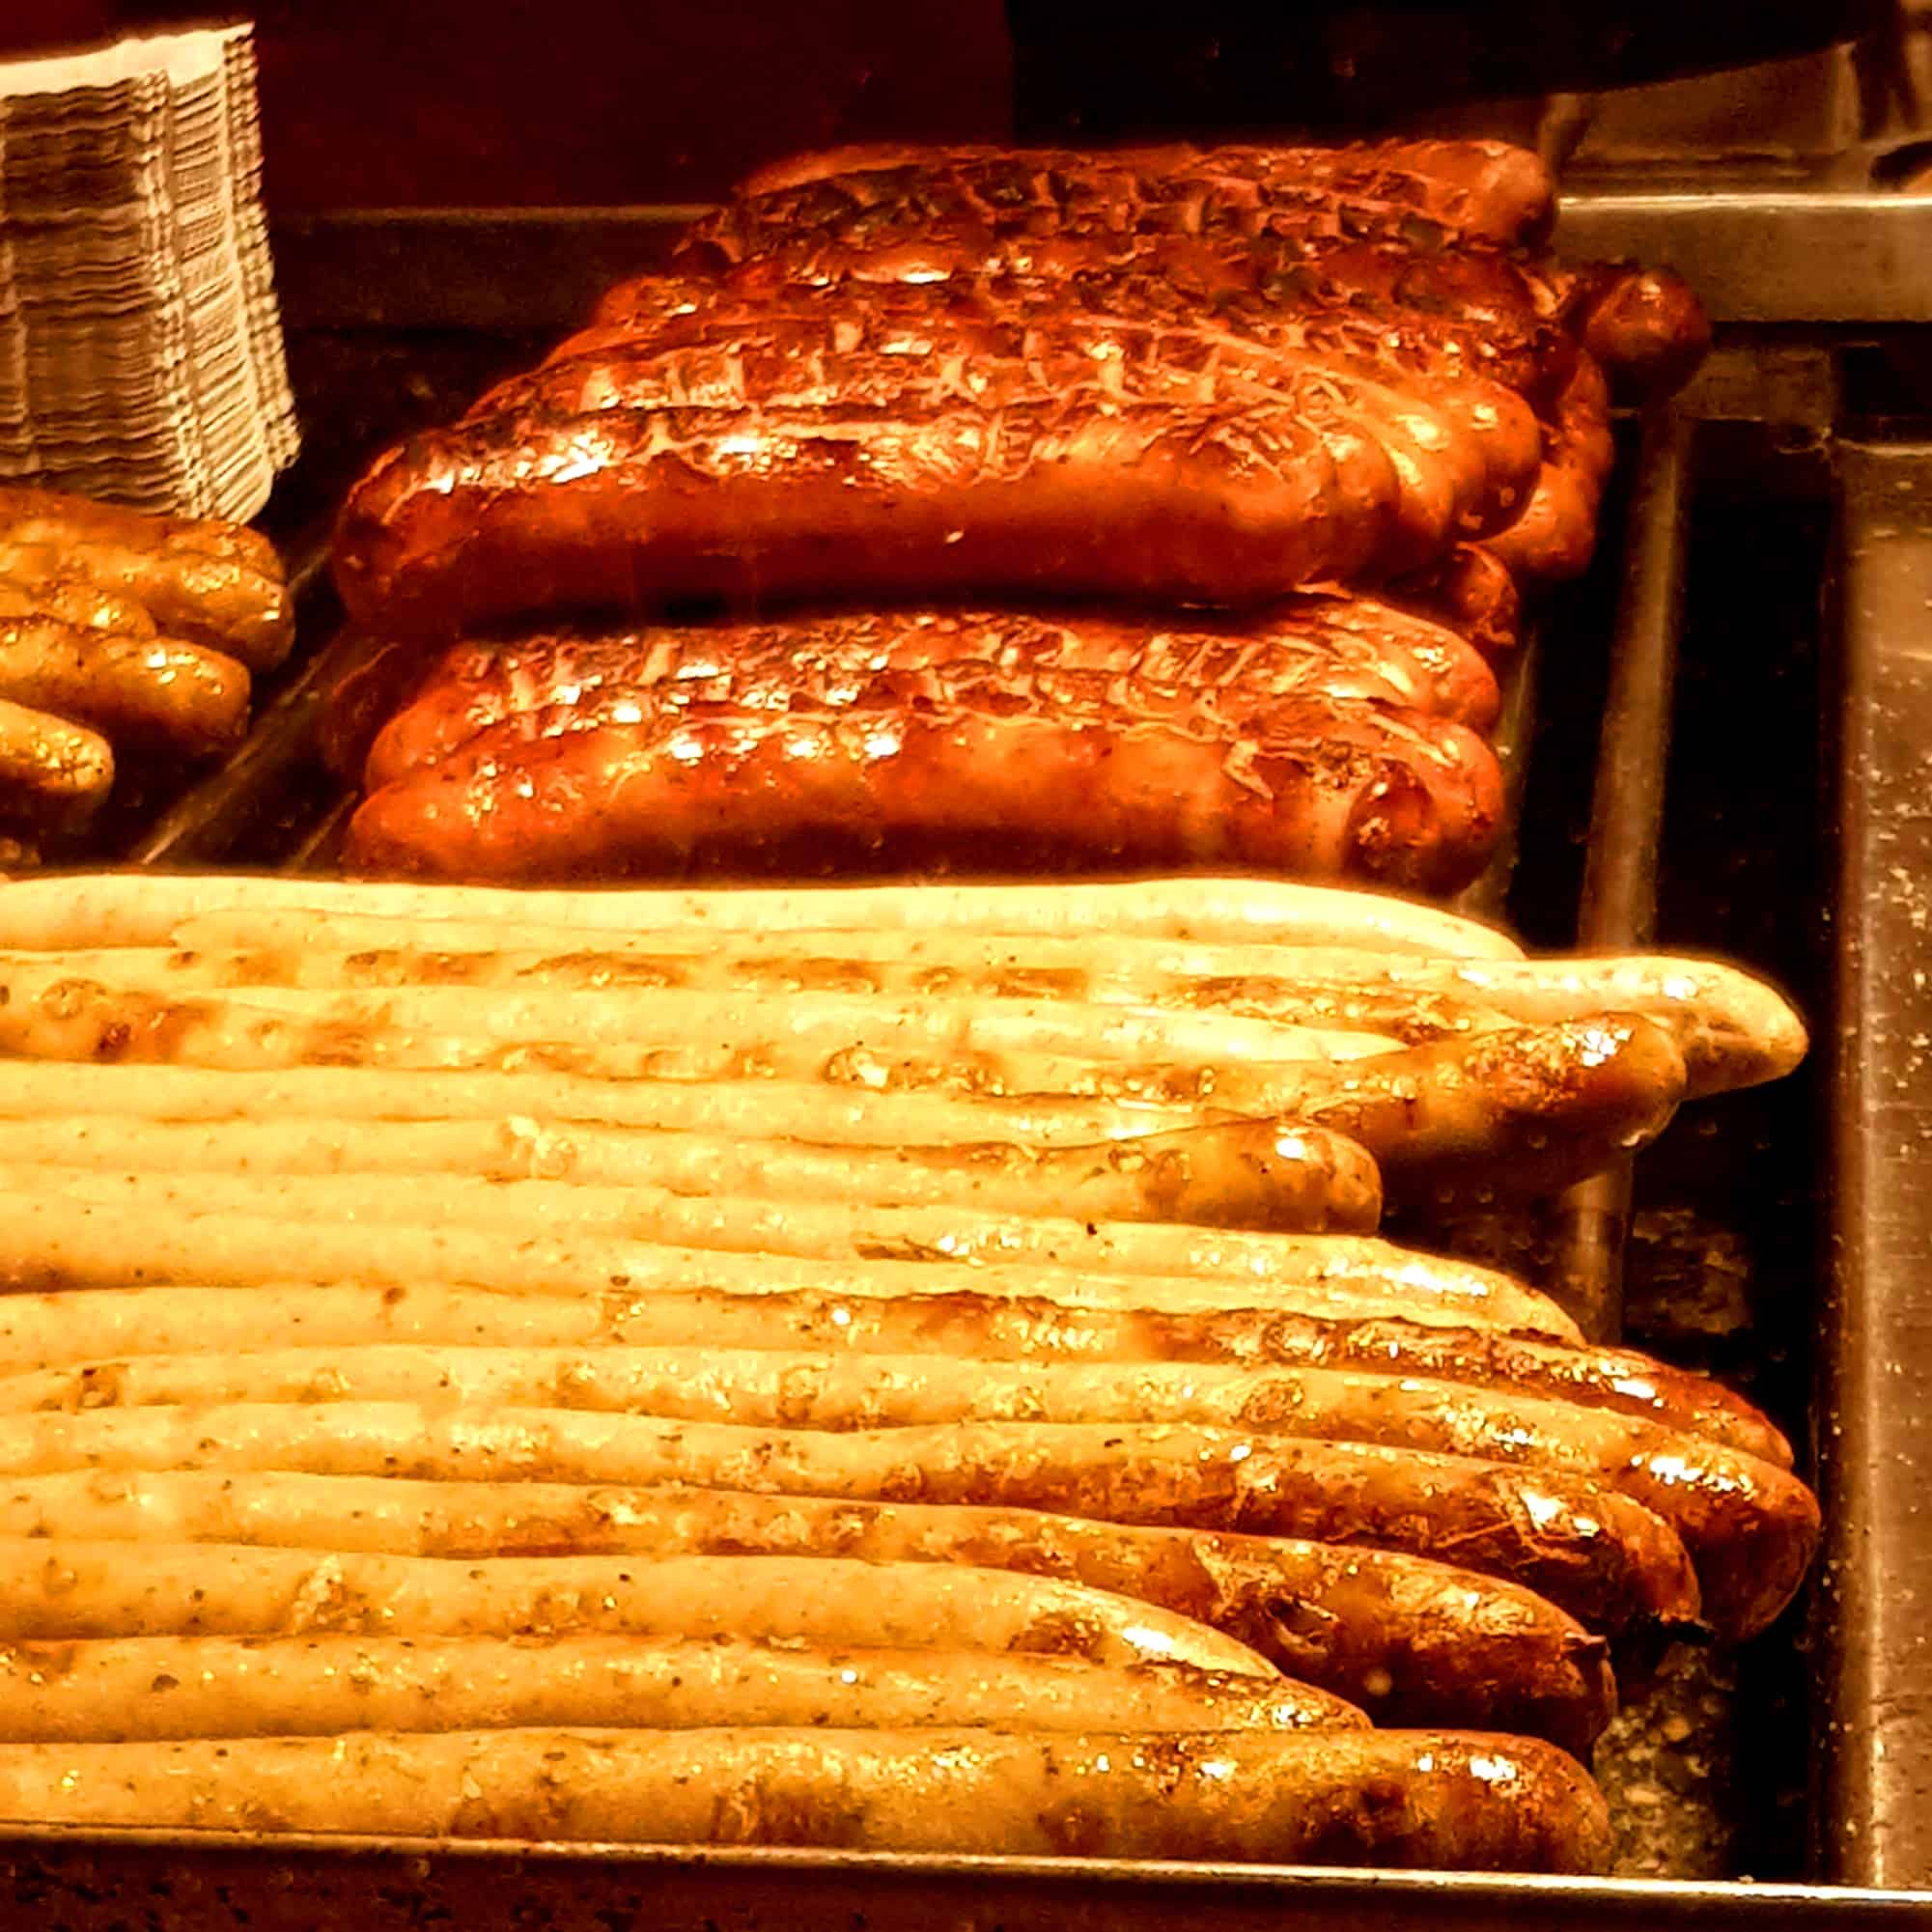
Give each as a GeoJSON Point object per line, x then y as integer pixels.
{"type": "Point", "coordinates": [1645, 326]}
{"type": "Point", "coordinates": [214, 583]}
{"type": "Point", "coordinates": [1320, 790]}
{"type": "Point", "coordinates": [1487, 188]}
{"type": "Point", "coordinates": [632, 508]}
{"type": "Point", "coordinates": [54, 776]}
{"type": "Point", "coordinates": [151, 690]}
{"type": "Point", "coordinates": [1555, 535]}
{"type": "Point", "coordinates": [1412, 1640]}
{"type": "Point", "coordinates": [1333, 647]}
{"type": "Point", "coordinates": [1459, 443]}
{"type": "Point", "coordinates": [1104, 440]}
{"type": "Point", "coordinates": [1391, 1798]}
{"type": "Point", "coordinates": [1306, 245]}
{"type": "Point", "coordinates": [1474, 593]}
{"type": "Point", "coordinates": [961, 210]}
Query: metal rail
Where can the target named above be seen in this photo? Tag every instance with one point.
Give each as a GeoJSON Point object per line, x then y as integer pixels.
{"type": "Point", "coordinates": [1761, 252]}
{"type": "Point", "coordinates": [101, 1882]}
{"type": "Point", "coordinates": [1874, 1334]}
{"type": "Point", "coordinates": [1776, 254]}
{"type": "Point", "coordinates": [1618, 906]}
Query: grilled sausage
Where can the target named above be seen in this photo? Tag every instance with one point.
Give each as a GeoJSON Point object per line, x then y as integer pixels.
{"type": "Point", "coordinates": [1314, 789]}
{"type": "Point", "coordinates": [1608, 1560]}
{"type": "Point", "coordinates": [154, 691]}
{"type": "Point", "coordinates": [1412, 1641]}
{"type": "Point", "coordinates": [54, 776]}
{"type": "Point", "coordinates": [1644, 326]}
{"type": "Point", "coordinates": [1326, 647]}
{"type": "Point", "coordinates": [632, 508]}
{"type": "Point", "coordinates": [1733, 1031]}
{"type": "Point", "coordinates": [76, 601]}
{"type": "Point", "coordinates": [65, 1330]}
{"type": "Point", "coordinates": [1477, 1119]}
{"type": "Point", "coordinates": [148, 908]}
{"type": "Point", "coordinates": [214, 583]}
{"type": "Point", "coordinates": [1040, 213]}
{"type": "Point", "coordinates": [1259, 1175]}
{"type": "Point", "coordinates": [1473, 592]}
{"type": "Point", "coordinates": [67, 1588]}
{"type": "Point", "coordinates": [1346, 1797]}
{"type": "Point", "coordinates": [1437, 397]}
{"type": "Point", "coordinates": [1750, 1528]}
{"type": "Point", "coordinates": [1488, 188]}
{"type": "Point", "coordinates": [1425, 442]}
{"type": "Point", "coordinates": [121, 1688]}
{"type": "Point", "coordinates": [1556, 533]}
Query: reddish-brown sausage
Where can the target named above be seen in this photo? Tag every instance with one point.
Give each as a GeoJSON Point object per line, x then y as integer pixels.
{"type": "Point", "coordinates": [632, 508]}
{"type": "Point", "coordinates": [1645, 326]}
{"type": "Point", "coordinates": [1473, 592]}
{"type": "Point", "coordinates": [1321, 790]}
{"type": "Point", "coordinates": [1487, 188]}
{"type": "Point", "coordinates": [1333, 647]}
{"type": "Point", "coordinates": [1445, 443]}
{"type": "Point", "coordinates": [1432, 400]}
{"type": "Point", "coordinates": [1556, 533]}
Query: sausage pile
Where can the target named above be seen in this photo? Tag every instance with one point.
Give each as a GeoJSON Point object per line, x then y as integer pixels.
{"type": "Point", "coordinates": [976, 510]}
{"type": "Point", "coordinates": [904, 1368]}
{"type": "Point", "coordinates": [120, 629]}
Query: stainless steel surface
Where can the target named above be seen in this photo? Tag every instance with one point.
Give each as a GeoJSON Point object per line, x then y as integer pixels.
{"type": "Point", "coordinates": [1759, 251]}
{"type": "Point", "coordinates": [1874, 1595]}
{"type": "Point", "coordinates": [1767, 255]}
{"type": "Point", "coordinates": [96, 1881]}
{"type": "Point", "coordinates": [1875, 1323]}
{"type": "Point", "coordinates": [1618, 908]}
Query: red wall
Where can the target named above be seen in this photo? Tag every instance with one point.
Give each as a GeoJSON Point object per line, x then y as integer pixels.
{"type": "Point", "coordinates": [374, 102]}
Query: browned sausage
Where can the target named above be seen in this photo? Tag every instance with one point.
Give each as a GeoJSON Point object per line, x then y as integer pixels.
{"type": "Point", "coordinates": [151, 690]}
{"type": "Point", "coordinates": [1512, 1115]}
{"type": "Point", "coordinates": [1750, 1528]}
{"type": "Point", "coordinates": [1043, 211]}
{"type": "Point", "coordinates": [1645, 326]}
{"type": "Point", "coordinates": [967, 1326]}
{"type": "Point", "coordinates": [1314, 789]}
{"type": "Point", "coordinates": [1473, 592]}
{"type": "Point", "coordinates": [54, 776]}
{"type": "Point", "coordinates": [1389, 1798]}
{"type": "Point", "coordinates": [1593, 1552]}
{"type": "Point", "coordinates": [1556, 533]}
{"type": "Point", "coordinates": [1329, 647]}
{"type": "Point", "coordinates": [1437, 448]}
{"type": "Point", "coordinates": [214, 583]}
{"type": "Point", "coordinates": [1488, 188]}
{"type": "Point", "coordinates": [1410, 1640]}
{"type": "Point", "coordinates": [629, 508]}
{"type": "Point", "coordinates": [1432, 396]}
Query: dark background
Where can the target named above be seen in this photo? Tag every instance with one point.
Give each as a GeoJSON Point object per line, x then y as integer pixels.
{"type": "Point", "coordinates": [397, 102]}
{"type": "Point", "coordinates": [370, 103]}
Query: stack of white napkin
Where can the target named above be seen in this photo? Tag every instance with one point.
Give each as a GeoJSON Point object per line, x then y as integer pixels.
{"type": "Point", "coordinates": [141, 356]}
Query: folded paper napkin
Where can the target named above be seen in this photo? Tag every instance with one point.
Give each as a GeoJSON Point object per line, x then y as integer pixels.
{"type": "Point", "coordinates": [141, 356]}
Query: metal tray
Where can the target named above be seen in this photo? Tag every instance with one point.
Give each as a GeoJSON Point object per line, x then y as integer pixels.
{"type": "Point", "coordinates": [107, 1881]}
{"type": "Point", "coordinates": [1761, 419]}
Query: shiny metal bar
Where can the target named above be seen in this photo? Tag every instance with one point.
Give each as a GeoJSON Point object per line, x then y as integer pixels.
{"type": "Point", "coordinates": [1757, 253]}
{"type": "Point", "coordinates": [215, 1881]}
{"type": "Point", "coordinates": [1874, 1352]}
{"type": "Point", "coordinates": [1767, 255]}
{"type": "Point", "coordinates": [1618, 906]}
